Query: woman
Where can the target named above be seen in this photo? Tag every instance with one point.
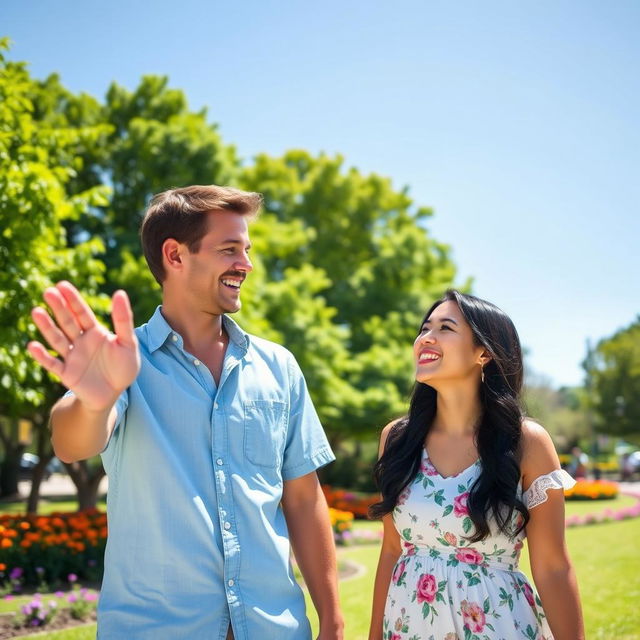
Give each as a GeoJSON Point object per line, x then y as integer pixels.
{"type": "Point", "coordinates": [462, 477]}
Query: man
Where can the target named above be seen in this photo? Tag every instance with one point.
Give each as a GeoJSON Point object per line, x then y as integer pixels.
{"type": "Point", "coordinates": [208, 436]}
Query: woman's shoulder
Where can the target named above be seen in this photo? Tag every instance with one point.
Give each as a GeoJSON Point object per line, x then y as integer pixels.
{"type": "Point", "coordinates": [539, 455]}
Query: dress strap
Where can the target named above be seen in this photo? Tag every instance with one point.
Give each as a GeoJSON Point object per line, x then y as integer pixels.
{"type": "Point", "coordinates": [537, 493]}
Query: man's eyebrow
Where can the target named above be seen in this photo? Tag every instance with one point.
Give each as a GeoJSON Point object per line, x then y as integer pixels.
{"type": "Point", "coordinates": [442, 320]}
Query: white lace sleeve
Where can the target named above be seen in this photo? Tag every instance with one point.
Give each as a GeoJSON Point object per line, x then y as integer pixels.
{"type": "Point", "coordinates": [537, 493]}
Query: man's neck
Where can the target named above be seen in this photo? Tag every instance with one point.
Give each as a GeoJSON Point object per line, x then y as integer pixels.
{"type": "Point", "coordinates": [199, 330]}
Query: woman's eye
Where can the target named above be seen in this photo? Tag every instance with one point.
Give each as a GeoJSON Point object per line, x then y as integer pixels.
{"type": "Point", "coordinates": [444, 326]}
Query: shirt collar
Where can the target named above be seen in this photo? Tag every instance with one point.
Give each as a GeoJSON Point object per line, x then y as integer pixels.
{"type": "Point", "coordinates": [159, 330]}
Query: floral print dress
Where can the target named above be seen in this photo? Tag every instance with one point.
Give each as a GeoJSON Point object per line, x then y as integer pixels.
{"type": "Point", "coordinates": [443, 587]}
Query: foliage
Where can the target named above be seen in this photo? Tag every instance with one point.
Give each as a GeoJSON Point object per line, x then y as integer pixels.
{"type": "Point", "coordinates": [37, 161]}
{"type": "Point", "coordinates": [346, 271]}
{"type": "Point", "coordinates": [562, 411]}
{"type": "Point", "coordinates": [614, 372]}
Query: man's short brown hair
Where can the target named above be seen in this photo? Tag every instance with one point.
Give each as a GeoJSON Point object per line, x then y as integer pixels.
{"type": "Point", "coordinates": [179, 214]}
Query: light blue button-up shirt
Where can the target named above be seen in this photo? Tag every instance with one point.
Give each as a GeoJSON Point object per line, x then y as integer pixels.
{"type": "Point", "coordinates": [197, 536]}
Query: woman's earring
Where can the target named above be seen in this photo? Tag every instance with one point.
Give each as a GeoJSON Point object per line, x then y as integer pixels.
{"type": "Point", "coordinates": [482, 374]}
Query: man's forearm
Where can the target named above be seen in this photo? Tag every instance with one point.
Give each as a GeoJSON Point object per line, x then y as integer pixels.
{"type": "Point", "coordinates": [78, 433]}
{"type": "Point", "coordinates": [312, 542]}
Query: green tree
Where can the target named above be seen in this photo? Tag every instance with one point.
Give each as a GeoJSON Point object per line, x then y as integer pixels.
{"type": "Point", "coordinates": [614, 371]}
{"type": "Point", "coordinates": [347, 268]}
{"type": "Point", "coordinates": [38, 159]}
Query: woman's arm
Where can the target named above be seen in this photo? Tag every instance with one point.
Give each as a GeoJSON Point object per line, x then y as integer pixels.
{"type": "Point", "coordinates": [389, 554]}
{"type": "Point", "coordinates": [551, 566]}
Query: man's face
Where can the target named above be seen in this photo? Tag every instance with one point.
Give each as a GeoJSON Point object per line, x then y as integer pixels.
{"type": "Point", "coordinates": [213, 276]}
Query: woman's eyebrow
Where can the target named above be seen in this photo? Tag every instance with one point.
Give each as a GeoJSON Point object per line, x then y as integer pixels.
{"type": "Point", "coordinates": [442, 320]}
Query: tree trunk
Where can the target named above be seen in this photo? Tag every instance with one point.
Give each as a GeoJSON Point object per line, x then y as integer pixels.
{"type": "Point", "coordinates": [45, 453]}
{"type": "Point", "coordinates": [37, 475]}
{"type": "Point", "coordinates": [9, 470]}
{"type": "Point", "coordinates": [87, 481]}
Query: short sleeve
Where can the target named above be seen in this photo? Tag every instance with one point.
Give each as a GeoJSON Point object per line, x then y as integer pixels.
{"type": "Point", "coordinates": [307, 447]}
{"type": "Point", "coordinates": [536, 494]}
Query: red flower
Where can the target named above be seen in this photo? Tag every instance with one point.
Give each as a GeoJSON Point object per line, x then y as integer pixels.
{"type": "Point", "coordinates": [460, 505]}
{"type": "Point", "coordinates": [427, 588]}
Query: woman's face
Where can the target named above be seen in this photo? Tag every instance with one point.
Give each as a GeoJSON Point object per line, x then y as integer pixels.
{"type": "Point", "coordinates": [445, 350]}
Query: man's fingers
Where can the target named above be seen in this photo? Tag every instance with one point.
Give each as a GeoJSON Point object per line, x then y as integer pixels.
{"type": "Point", "coordinates": [62, 312]}
{"type": "Point", "coordinates": [50, 331]}
{"type": "Point", "coordinates": [78, 305]}
{"type": "Point", "coordinates": [122, 318]}
{"type": "Point", "coordinates": [41, 355]}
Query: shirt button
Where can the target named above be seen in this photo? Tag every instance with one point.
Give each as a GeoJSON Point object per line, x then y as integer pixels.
{"type": "Point", "coordinates": [216, 405]}
{"type": "Point", "coordinates": [219, 462]}
{"type": "Point", "coordinates": [196, 362]}
{"type": "Point", "coordinates": [174, 337]}
{"type": "Point", "coordinates": [230, 582]}
{"type": "Point", "coordinates": [227, 525]}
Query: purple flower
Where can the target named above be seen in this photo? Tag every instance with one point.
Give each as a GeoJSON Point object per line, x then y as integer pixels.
{"type": "Point", "coordinates": [16, 573]}
{"type": "Point", "coordinates": [9, 597]}
{"type": "Point", "coordinates": [91, 597]}
{"type": "Point", "coordinates": [72, 597]}
{"type": "Point", "coordinates": [72, 577]}
{"type": "Point", "coordinates": [59, 594]}
{"type": "Point", "coordinates": [26, 610]}
{"type": "Point", "coordinates": [39, 570]}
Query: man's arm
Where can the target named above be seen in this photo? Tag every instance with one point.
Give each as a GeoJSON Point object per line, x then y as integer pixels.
{"type": "Point", "coordinates": [311, 535]}
{"type": "Point", "coordinates": [94, 363]}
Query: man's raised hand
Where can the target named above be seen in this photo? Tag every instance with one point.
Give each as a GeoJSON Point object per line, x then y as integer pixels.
{"type": "Point", "coordinates": [96, 364]}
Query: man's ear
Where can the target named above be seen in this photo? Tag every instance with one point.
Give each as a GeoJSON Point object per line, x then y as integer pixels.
{"type": "Point", "coordinates": [172, 252]}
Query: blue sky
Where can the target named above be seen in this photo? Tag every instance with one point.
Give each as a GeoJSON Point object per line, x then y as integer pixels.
{"type": "Point", "coordinates": [517, 122]}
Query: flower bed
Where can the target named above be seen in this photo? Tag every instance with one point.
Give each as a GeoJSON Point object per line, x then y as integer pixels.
{"type": "Point", "coordinates": [43, 550]}
{"type": "Point", "coordinates": [341, 522]}
{"type": "Point", "coordinates": [592, 490]}
{"type": "Point", "coordinates": [357, 503]}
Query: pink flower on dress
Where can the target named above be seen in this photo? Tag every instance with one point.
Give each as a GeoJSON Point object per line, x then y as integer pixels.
{"type": "Point", "coordinates": [402, 498]}
{"type": "Point", "coordinates": [450, 538]}
{"type": "Point", "coordinates": [528, 593]}
{"type": "Point", "coordinates": [460, 505]}
{"type": "Point", "coordinates": [469, 556]}
{"type": "Point", "coordinates": [473, 616]}
{"type": "Point", "coordinates": [398, 571]}
{"type": "Point", "coordinates": [427, 468]}
{"type": "Point", "coordinates": [427, 588]}
{"type": "Point", "coordinates": [396, 636]}
{"type": "Point", "coordinates": [409, 548]}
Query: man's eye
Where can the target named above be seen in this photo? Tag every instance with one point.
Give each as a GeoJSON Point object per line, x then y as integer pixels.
{"type": "Point", "coordinates": [229, 250]}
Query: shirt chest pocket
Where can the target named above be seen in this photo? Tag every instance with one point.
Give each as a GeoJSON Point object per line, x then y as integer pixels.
{"type": "Point", "coordinates": [265, 428]}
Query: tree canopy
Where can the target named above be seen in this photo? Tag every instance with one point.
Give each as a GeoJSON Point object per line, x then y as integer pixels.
{"type": "Point", "coordinates": [345, 265]}
{"type": "Point", "coordinates": [614, 371]}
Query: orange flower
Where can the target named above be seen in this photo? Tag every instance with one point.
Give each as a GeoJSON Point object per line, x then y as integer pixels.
{"type": "Point", "coordinates": [6, 543]}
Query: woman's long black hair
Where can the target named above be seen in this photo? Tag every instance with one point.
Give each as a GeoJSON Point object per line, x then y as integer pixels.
{"type": "Point", "coordinates": [494, 493]}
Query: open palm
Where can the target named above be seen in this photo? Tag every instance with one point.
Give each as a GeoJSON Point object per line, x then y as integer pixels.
{"type": "Point", "coordinates": [96, 364]}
